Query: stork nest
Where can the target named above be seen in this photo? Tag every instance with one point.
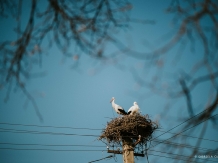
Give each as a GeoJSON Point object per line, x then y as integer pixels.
{"type": "Point", "coordinates": [129, 126]}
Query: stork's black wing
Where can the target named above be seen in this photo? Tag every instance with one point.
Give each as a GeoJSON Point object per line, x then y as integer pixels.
{"type": "Point", "coordinates": [123, 112]}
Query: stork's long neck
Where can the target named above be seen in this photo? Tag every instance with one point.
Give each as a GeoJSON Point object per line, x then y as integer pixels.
{"type": "Point", "coordinates": [113, 104]}
{"type": "Point", "coordinates": [136, 106]}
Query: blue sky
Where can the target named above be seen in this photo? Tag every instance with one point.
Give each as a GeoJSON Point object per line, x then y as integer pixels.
{"type": "Point", "coordinates": [79, 98]}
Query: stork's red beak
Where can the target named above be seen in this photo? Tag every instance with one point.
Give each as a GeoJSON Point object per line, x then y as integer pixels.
{"type": "Point", "coordinates": [111, 100]}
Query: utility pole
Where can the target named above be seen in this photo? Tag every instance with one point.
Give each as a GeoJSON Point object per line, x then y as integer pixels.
{"type": "Point", "coordinates": [128, 150]}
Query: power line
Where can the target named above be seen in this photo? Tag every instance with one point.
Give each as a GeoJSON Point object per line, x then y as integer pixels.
{"type": "Point", "coordinates": [185, 145]}
{"type": "Point", "coordinates": [191, 136]}
{"type": "Point", "coordinates": [41, 126]}
{"type": "Point", "coordinates": [78, 145]}
{"type": "Point", "coordinates": [69, 145]}
{"type": "Point", "coordinates": [180, 124]}
{"type": "Point", "coordinates": [59, 150]}
{"type": "Point", "coordinates": [39, 132]}
{"type": "Point", "coordinates": [186, 129]}
{"type": "Point", "coordinates": [85, 128]}
{"type": "Point", "coordinates": [54, 133]}
{"type": "Point", "coordinates": [53, 145]}
{"type": "Point", "coordinates": [101, 159]}
{"type": "Point", "coordinates": [33, 131]}
{"type": "Point", "coordinates": [92, 150]}
{"type": "Point", "coordinates": [67, 134]}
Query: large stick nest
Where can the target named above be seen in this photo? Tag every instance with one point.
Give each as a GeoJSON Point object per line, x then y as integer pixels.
{"type": "Point", "coordinates": [129, 126]}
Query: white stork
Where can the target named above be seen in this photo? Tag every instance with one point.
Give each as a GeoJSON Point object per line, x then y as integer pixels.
{"type": "Point", "coordinates": [134, 109]}
{"type": "Point", "coordinates": [117, 108]}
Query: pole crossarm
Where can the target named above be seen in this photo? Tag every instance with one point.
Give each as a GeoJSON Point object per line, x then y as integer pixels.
{"type": "Point", "coordinates": [121, 152]}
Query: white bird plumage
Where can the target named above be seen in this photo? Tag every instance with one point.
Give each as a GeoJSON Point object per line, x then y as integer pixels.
{"type": "Point", "coordinates": [134, 109]}
{"type": "Point", "coordinates": [117, 108]}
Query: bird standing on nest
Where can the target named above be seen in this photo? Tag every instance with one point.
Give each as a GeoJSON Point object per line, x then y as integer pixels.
{"type": "Point", "coordinates": [117, 108]}
{"type": "Point", "coordinates": [134, 109]}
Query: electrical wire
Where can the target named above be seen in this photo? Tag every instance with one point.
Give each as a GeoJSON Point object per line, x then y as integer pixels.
{"type": "Point", "coordinates": [87, 150]}
{"type": "Point", "coordinates": [59, 150]}
{"type": "Point", "coordinates": [102, 159]}
{"type": "Point", "coordinates": [68, 134]}
{"type": "Point", "coordinates": [93, 150]}
{"type": "Point", "coordinates": [53, 145]}
{"type": "Point", "coordinates": [78, 145]}
{"type": "Point", "coordinates": [71, 150]}
{"type": "Point", "coordinates": [185, 130]}
{"type": "Point", "coordinates": [32, 125]}
{"type": "Point", "coordinates": [191, 136]}
{"type": "Point", "coordinates": [20, 144]}
{"type": "Point", "coordinates": [39, 132]}
{"type": "Point", "coordinates": [54, 133]}
{"type": "Point", "coordinates": [185, 145]}
{"type": "Point", "coordinates": [85, 128]}
{"type": "Point", "coordinates": [180, 124]}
